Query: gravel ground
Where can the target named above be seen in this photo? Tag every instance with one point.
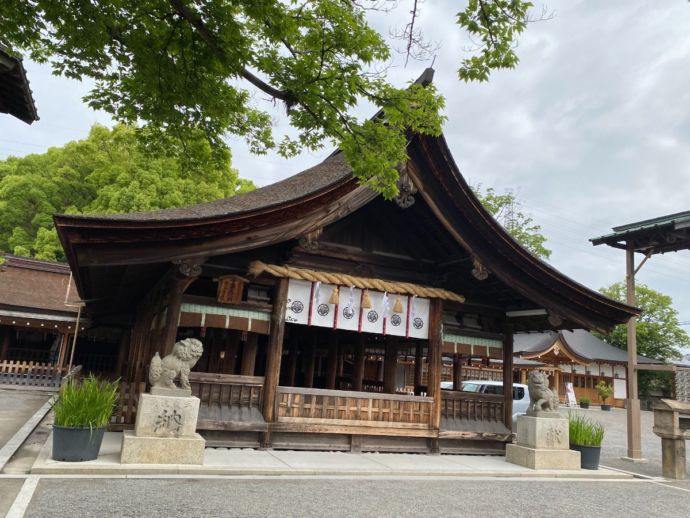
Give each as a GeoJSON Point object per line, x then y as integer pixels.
{"type": "Point", "coordinates": [347, 498]}
{"type": "Point", "coordinates": [616, 441]}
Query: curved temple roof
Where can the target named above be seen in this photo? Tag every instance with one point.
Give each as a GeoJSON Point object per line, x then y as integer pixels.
{"type": "Point", "coordinates": [319, 196]}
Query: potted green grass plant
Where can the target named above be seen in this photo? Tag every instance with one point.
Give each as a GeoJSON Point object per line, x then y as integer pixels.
{"type": "Point", "coordinates": [82, 412]}
{"type": "Point", "coordinates": [605, 391]}
{"type": "Point", "coordinates": [584, 402]}
{"type": "Point", "coordinates": [586, 437]}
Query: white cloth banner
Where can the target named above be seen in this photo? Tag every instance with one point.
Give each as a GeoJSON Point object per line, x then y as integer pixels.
{"type": "Point", "coordinates": [309, 304]}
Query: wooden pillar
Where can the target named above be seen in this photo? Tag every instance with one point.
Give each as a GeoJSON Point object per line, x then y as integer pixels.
{"type": "Point", "coordinates": [249, 354]}
{"type": "Point", "coordinates": [122, 352]}
{"type": "Point", "coordinates": [292, 363]}
{"type": "Point", "coordinates": [632, 404]}
{"type": "Point", "coordinates": [418, 365]}
{"type": "Point", "coordinates": [508, 377]}
{"type": "Point", "coordinates": [457, 372]}
{"type": "Point", "coordinates": [64, 342]}
{"type": "Point", "coordinates": [5, 342]}
{"type": "Point", "coordinates": [186, 273]}
{"type": "Point", "coordinates": [232, 344]}
{"type": "Point", "coordinates": [310, 362]}
{"type": "Point", "coordinates": [359, 360]}
{"type": "Point", "coordinates": [274, 352]}
{"type": "Point", "coordinates": [435, 345]}
{"type": "Point", "coordinates": [390, 364]}
{"type": "Point", "coordinates": [332, 361]}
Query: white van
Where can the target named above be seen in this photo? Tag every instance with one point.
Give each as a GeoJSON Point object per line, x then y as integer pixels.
{"type": "Point", "coordinates": [520, 394]}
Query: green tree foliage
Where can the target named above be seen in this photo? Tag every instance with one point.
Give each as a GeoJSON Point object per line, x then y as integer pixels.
{"type": "Point", "coordinates": [504, 207]}
{"type": "Point", "coordinates": [179, 67]}
{"type": "Point", "coordinates": [107, 172]}
{"type": "Point", "coordinates": [659, 334]}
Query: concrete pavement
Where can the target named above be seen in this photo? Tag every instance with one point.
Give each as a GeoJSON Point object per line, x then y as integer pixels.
{"type": "Point", "coordinates": [346, 497]}
{"type": "Point", "coordinates": [221, 461]}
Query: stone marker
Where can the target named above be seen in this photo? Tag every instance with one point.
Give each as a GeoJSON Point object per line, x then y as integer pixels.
{"type": "Point", "coordinates": [542, 434]}
{"type": "Point", "coordinates": [165, 428]}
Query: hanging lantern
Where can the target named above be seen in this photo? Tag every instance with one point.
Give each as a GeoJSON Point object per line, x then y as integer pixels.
{"type": "Point", "coordinates": [335, 298]}
{"type": "Point", "coordinates": [398, 306]}
{"type": "Point", "coordinates": [366, 301]}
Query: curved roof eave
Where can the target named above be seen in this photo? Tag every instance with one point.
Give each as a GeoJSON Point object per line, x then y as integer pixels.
{"type": "Point", "coordinates": [505, 257]}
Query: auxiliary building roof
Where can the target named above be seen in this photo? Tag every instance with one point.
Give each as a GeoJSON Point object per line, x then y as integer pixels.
{"type": "Point", "coordinates": [580, 343]}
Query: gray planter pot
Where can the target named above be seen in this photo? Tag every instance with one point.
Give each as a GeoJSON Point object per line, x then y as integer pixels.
{"type": "Point", "coordinates": [589, 455]}
{"type": "Point", "coordinates": [76, 444]}
{"type": "Point", "coordinates": [584, 405]}
{"type": "Point", "coordinates": [607, 408]}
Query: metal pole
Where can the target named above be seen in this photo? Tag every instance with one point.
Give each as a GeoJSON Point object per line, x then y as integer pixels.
{"type": "Point", "coordinates": [74, 341]}
{"type": "Point", "coordinates": [632, 403]}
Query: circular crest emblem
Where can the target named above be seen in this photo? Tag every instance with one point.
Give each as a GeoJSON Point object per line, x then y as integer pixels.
{"type": "Point", "coordinates": [396, 320]}
{"type": "Point", "coordinates": [296, 307]}
{"type": "Point", "coordinates": [323, 309]}
{"type": "Point", "coordinates": [372, 316]}
{"type": "Point", "coordinates": [348, 312]}
{"type": "Point", "coordinates": [418, 323]}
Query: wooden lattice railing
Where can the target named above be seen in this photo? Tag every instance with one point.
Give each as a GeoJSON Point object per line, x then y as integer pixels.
{"type": "Point", "coordinates": [227, 390]}
{"type": "Point", "coordinates": [351, 408]}
{"type": "Point", "coordinates": [471, 406]}
{"type": "Point", "coordinates": [126, 408]}
{"type": "Point", "coordinates": [30, 374]}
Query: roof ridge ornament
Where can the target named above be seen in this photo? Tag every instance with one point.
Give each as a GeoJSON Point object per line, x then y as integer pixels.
{"type": "Point", "coordinates": [406, 187]}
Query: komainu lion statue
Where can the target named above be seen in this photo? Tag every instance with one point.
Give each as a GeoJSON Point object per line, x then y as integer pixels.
{"type": "Point", "coordinates": [179, 362]}
{"type": "Point", "coordinates": [541, 397]}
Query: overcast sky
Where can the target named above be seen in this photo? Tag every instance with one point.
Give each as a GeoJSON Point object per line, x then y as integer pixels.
{"type": "Point", "coordinates": [592, 130]}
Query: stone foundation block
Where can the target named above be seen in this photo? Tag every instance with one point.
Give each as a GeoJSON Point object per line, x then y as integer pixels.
{"type": "Point", "coordinates": [162, 450]}
{"type": "Point", "coordinates": [542, 459]}
{"type": "Point", "coordinates": [543, 433]}
{"type": "Point", "coordinates": [166, 416]}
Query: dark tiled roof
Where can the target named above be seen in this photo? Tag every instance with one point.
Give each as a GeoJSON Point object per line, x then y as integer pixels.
{"type": "Point", "coordinates": [582, 342]}
{"type": "Point", "coordinates": [30, 284]}
{"type": "Point", "coordinates": [15, 94]}
{"type": "Point", "coordinates": [332, 170]}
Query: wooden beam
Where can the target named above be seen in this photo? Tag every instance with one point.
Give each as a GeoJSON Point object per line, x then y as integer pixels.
{"type": "Point", "coordinates": [657, 367]}
{"type": "Point", "coordinates": [508, 377]}
{"type": "Point", "coordinates": [249, 350]}
{"type": "Point", "coordinates": [360, 358]}
{"type": "Point", "coordinates": [274, 350]}
{"type": "Point", "coordinates": [435, 346]}
{"type": "Point", "coordinates": [390, 364]}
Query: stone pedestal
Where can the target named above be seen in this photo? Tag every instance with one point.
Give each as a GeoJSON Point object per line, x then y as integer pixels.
{"type": "Point", "coordinates": [542, 444]}
{"type": "Point", "coordinates": [164, 432]}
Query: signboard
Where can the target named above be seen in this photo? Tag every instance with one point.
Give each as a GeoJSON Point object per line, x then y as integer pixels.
{"type": "Point", "coordinates": [308, 303]}
{"type": "Point", "coordinates": [619, 389]}
{"type": "Point", "coordinates": [570, 393]}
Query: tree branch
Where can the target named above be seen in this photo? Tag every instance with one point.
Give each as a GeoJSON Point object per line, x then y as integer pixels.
{"type": "Point", "coordinates": [195, 20]}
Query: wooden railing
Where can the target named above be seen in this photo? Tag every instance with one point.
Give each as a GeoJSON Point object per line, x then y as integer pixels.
{"type": "Point", "coordinates": [126, 410]}
{"type": "Point", "coordinates": [30, 374]}
{"type": "Point", "coordinates": [471, 406]}
{"type": "Point", "coordinates": [227, 390]}
{"type": "Point", "coordinates": [321, 406]}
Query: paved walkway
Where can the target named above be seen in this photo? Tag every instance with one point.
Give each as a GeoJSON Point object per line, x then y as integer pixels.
{"type": "Point", "coordinates": [16, 407]}
{"type": "Point", "coordinates": [220, 461]}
